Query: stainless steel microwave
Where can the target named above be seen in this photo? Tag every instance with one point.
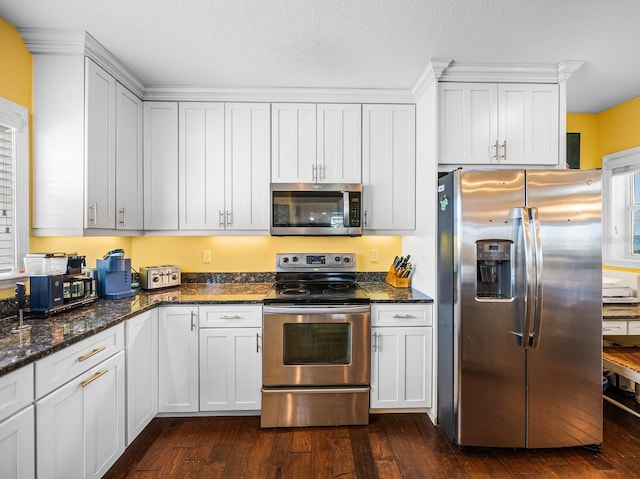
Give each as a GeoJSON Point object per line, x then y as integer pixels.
{"type": "Point", "coordinates": [316, 209]}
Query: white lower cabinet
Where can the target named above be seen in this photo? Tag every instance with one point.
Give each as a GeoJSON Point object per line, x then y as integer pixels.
{"type": "Point", "coordinates": [17, 427]}
{"type": "Point", "coordinates": [141, 341]}
{"type": "Point", "coordinates": [178, 359]}
{"type": "Point", "coordinates": [401, 357]}
{"type": "Point", "coordinates": [81, 424]}
{"type": "Point", "coordinates": [230, 357]}
{"type": "Point", "coordinates": [17, 445]}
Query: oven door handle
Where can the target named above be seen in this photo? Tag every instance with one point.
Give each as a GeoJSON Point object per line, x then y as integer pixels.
{"type": "Point", "coordinates": [315, 309]}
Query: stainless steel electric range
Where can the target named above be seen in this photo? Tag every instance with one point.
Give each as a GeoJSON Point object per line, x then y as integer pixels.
{"type": "Point", "coordinates": [316, 347]}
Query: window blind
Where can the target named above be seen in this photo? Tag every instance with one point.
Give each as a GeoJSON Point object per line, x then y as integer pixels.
{"type": "Point", "coordinates": [7, 198]}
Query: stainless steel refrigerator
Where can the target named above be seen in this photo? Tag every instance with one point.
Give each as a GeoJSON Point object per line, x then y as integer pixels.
{"type": "Point", "coordinates": [519, 308]}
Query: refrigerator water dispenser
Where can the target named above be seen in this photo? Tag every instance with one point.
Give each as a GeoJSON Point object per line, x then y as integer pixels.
{"type": "Point", "coordinates": [493, 269]}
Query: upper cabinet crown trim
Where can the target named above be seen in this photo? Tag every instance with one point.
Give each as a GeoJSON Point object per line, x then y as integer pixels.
{"type": "Point", "coordinates": [510, 73]}
{"type": "Point", "coordinates": [50, 41]}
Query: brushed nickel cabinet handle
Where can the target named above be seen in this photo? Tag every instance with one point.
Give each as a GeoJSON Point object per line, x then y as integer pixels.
{"type": "Point", "coordinates": [220, 218]}
{"type": "Point", "coordinates": [229, 218]}
{"type": "Point", "coordinates": [123, 214]}
{"type": "Point", "coordinates": [230, 316]}
{"type": "Point", "coordinates": [88, 381]}
{"type": "Point", "coordinates": [193, 320]}
{"type": "Point", "coordinates": [402, 316]}
{"type": "Point", "coordinates": [92, 353]}
{"type": "Point", "coordinates": [257, 342]}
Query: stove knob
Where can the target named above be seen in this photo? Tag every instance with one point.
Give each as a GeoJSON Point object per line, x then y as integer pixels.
{"type": "Point", "coordinates": [337, 259]}
{"type": "Point", "coordinates": [294, 259]}
{"type": "Point", "coordinates": [346, 260]}
{"type": "Point", "coordinates": [285, 260]}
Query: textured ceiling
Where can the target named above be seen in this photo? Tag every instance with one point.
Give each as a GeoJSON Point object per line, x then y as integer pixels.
{"type": "Point", "coordinates": [352, 43]}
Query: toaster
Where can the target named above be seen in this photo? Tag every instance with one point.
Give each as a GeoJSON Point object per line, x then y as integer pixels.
{"type": "Point", "coordinates": [154, 277]}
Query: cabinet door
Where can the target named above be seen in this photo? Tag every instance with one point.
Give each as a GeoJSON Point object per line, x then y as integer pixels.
{"type": "Point", "coordinates": [129, 178]}
{"type": "Point", "coordinates": [230, 369]}
{"type": "Point", "coordinates": [17, 445]}
{"type": "Point", "coordinates": [293, 142]}
{"type": "Point", "coordinates": [160, 165]}
{"type": "Point", "coordinates": [528, 124]}
{"type": "Point", "coordinates": [178, 359]}
{"type": "Point", "coordinates": [201, 165]}
{"type": "Point", "coordinates": [100, 147]}
{"type": "Point", "coordinates": [389, 166]}
{"type": "Point", "coordinates": [339, 155]}
{"type": "Point", "coordinates": [401, 367]}
{"type": "Point", "coordinates": [247, 166]}
{"type": "Point", "coordinates": [468, 123]}
{"type": "Point", "coordinates": [142, 372]}
{"type": "Point", "coordinates": [104, 416]}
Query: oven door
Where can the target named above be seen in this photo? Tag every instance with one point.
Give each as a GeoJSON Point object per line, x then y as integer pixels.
{"type": "Point", "coordinates": [316, 345]}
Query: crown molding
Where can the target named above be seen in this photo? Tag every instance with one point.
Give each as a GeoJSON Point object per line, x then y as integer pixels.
{"type": "Point", "coordinates": [311, 95]}
{"type": "Point", "coordinates": [510, 72]}
{"type": "Point", "coordinates": [49, 41]}
{"type": "Point", "coordinates": [431, 74]}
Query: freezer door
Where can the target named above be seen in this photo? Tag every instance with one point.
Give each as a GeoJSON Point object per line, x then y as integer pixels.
{"type": "Point", "coordinates": [565, 364]}
{"type": "Point", "coordinates": [490, 368]}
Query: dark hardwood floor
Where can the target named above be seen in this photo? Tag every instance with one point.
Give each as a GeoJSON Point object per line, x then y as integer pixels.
{"type": "Point", "coordinates": [392, 446]}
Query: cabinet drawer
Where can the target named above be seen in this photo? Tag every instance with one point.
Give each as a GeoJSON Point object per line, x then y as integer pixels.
{"type": "Point", "coordinates": [401, 315]}
{"type": "Point", "coordinates": [16, 391]}
{"type": "Point", "coordinates": [633, 327]}
{"type": "Point", "coordinates": [240, 316]}
{"type": "Point", "coordinates": [614, 327]}
{"type": "Point", "coordinates": [55, 370]}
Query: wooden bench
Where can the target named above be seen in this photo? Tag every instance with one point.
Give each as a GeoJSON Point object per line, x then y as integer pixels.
{"type": "Point", "coordinates": [625, 361]}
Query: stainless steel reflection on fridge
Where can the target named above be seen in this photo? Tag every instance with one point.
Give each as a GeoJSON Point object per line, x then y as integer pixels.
{"type": "Point", "coordinates": [519, 308]}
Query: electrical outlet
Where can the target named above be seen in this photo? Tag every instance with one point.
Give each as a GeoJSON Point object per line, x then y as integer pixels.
{"type": "Point", "coordinates": [374, 255]}
{"type": "Point", "coordinates": [206, 256]}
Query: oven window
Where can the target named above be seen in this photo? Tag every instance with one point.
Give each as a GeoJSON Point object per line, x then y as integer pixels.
{"type": "Point", "coordinates": [308, 209]}
{"type": "Point", "coordinates": [317, 343]}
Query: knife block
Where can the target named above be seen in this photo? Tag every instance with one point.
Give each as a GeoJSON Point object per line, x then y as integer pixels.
{"type": "Point", "coordinates": [395, 281]}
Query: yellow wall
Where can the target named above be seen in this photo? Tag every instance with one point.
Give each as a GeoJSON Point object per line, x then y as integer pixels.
{"type": "Point", "coordinates": [587, 126]}
{"type": "Point", "coordinates": [15, 87]}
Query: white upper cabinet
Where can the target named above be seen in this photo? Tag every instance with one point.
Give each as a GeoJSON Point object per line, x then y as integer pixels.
{"type": "Point", "coordinates": [293, 144]}
{"type": "Point", "coordinates": [339, 146]}
{"type": "Point", "coordinates": [201, 165]}
{"type": "Point", "coordinates": [100, 90]}
{"type": "Point", "coordinates": [499, 124]}
{"type": "Point", "coordinates": [316, 143]}
{"type": "Point", "coordinates": [389, 167]}
{"type": "Point", "coordinates": [87, 149]}
{"type": "Point", "coordinates": [129, 172]}
{"type": "Point", "coordinates": [160, 165]}
{"type": "Point", "coordinates": [247, 145]}
{"type": "Point", "coordinates": [224, 166]}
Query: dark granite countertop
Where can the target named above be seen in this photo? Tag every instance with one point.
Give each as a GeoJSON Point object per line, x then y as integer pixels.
{"type": "Point", "coordinates": [621, 311]}
{"type": "Point", "coordinates": [48, 335]}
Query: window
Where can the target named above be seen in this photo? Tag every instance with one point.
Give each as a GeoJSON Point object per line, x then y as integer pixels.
{"type": "Point", "coordinates": [621, 208]}
{"type": "Point", "coordinates": [14, 190]}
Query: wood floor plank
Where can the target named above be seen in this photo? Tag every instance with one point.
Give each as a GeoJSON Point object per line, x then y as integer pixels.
{"type": "Point", "coordinates": [393, 446]}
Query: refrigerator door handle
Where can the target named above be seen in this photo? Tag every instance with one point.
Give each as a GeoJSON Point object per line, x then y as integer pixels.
{"type": "Point", "coordinates": [530, 273]}
{"type": "Point", "coordinates": [534, 338]}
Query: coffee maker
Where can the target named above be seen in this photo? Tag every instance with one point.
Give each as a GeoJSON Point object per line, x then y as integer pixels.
{"type": "Point", "coordinates": [114, 275]}
{"type": "Point", "coordinates": [60, 282]}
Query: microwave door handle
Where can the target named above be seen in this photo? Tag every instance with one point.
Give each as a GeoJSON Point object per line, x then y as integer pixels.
{"type": "Point", "coordinates": [345, 201]}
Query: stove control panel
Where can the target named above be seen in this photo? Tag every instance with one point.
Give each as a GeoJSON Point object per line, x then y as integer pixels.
{"type": "Point", "coordinates": [153, 277]}
{"type": "Point", "coordinates": [315, 261]}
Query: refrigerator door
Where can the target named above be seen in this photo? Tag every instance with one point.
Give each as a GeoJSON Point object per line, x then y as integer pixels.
{"type": "Point", "coordinates": [490, 397]}
{"type": "Point", "coordinates": [564, 363]}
